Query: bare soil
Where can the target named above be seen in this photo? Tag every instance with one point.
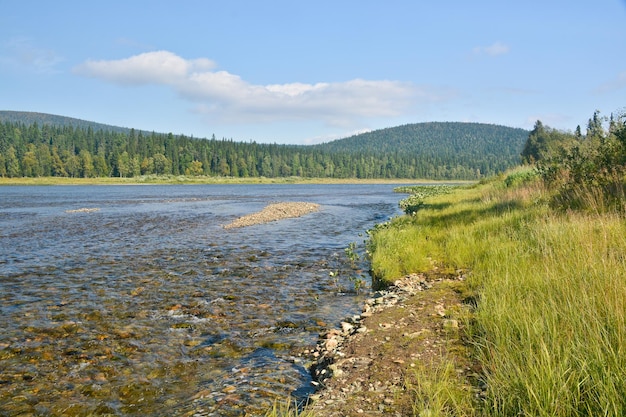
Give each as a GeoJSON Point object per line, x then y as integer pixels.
{"type": "Point", "coordinates": [372, 370]}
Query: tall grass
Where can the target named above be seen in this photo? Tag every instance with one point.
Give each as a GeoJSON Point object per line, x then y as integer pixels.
{"type": "Point", "coordinates": [552, 323]}
{"type": "Point", "coordinates": [549, 330]}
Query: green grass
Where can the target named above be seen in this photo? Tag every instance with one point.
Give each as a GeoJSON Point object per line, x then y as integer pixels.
{"type": "Point", "coordinates": [438, 391]}
{"type": "Point", "coordinates": [287, 408]}
{"type": "Point", "coordinates": [549, 330]}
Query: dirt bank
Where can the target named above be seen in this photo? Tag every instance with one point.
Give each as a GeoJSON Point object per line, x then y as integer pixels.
{"type": "Point", "coordinates": [274, 212]}
{"type": "Point", "coordinates": [370, 366]}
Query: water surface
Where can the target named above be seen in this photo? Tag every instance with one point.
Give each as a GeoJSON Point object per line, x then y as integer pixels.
{"type": "Point", "coordinates": [145, 305]}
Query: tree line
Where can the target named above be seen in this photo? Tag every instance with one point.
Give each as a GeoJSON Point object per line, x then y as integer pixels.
{"type": "Point", "coordinates": [586, 170]}
{"type": "Point", "coordinates": [34, 150]}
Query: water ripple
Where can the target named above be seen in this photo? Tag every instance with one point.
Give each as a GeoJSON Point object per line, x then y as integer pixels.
{"type": "Point", "coordinates": [148, 306]}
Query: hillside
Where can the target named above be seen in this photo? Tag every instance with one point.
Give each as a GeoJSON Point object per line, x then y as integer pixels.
{"type": "Point", "coordinates": [29, 118]}
{"type": "Point", "coordinates": [37, 144]}
{"type": "Point", "coordinates": [486, 147]}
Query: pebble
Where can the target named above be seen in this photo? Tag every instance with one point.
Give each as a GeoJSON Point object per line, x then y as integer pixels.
{"type": "Point", "coordinates": [450, 324]}
{"type": "Point", "coordinates": [327, 354]}
{"type": "Point", "coordinates": [346, 327]}
{"type": "Point", "coordinates": [273, 212]}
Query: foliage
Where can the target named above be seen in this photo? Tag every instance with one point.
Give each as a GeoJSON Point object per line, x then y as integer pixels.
{"type": "Point", "coordinates": [352, 254]}
{"type": "Point", "coordinates": [412, 203]}
{"type": "Point", "coordinates": [520, 176]}
{"type": "Point", "coordinates": [589, 173]}
{"type": "Point", "coordinates": [36, 145]}
{"type": "Point", "coordinates": [543, 142]}
{"type": "Point", "coordinates": [418, 193]}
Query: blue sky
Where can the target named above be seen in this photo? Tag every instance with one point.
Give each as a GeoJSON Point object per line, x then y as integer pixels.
{"type": "Point", "coordinates": [307, 72]}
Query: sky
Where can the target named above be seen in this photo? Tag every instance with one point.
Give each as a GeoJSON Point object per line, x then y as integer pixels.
{"type": "Point", "coordinates": [305, 72]}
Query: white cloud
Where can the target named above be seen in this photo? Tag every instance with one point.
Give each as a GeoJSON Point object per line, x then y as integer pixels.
{"type": "Point", "coordinates": [495, 49]}
{"type": "Point", "coordinates": [21, 54]}
{"type": "Point", "coordinates": [160, 67]}
{"type": "Point", "coordinates": [227, 96]}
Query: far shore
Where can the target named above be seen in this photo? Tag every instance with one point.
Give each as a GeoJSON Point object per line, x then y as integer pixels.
{"type": "Point", "coordinates": [181, 179]}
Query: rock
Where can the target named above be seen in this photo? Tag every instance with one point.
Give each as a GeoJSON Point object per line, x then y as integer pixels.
{"type": "Point", "coordinates": [229, 389]}
{"type": "Point", "coordinates": [346, 327]}
{"type": "Point", "coordinates": [450, 324]}
{"type": "Point", "coordinates": [440, 310]}
{"type": "Point", "coordinates": [331, 344]}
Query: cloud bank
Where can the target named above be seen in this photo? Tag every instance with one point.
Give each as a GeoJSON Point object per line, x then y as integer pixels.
{"type": "Point", "coordinates": [228, 97]}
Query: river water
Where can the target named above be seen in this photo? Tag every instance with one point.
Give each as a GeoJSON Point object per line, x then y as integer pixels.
{"type": "Point", "coordinates": [134, 300]}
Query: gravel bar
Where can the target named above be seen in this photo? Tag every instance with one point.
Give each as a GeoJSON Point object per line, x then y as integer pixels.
{"type": "Point", "coordinates": [274, 212]}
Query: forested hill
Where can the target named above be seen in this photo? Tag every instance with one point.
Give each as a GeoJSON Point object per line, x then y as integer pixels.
{"type": "Point", "coordinates": [29, 118]}
{"type": "Point", "coordinates": [36, 144]}
{"type": "Point", "coordinates": [442, 145]}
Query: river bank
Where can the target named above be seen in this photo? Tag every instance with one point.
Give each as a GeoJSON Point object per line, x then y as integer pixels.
{"type": "Point", "coordinates": [374, 365]}
{"type": "Point", "coordinates": [535, 329]}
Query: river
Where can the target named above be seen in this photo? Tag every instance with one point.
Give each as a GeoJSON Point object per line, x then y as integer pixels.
{"type": "Point", "coordinates": [134, 300]}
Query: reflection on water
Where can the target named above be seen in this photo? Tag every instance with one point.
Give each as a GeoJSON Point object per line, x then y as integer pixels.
{"type": "Point", "coordinates": [148, 306]}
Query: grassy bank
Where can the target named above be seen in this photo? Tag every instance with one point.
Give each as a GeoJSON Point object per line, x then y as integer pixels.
{"type": "Point", "coordinates": [182, 179]}
{"type": "Point", "coordinates": [548, 332]}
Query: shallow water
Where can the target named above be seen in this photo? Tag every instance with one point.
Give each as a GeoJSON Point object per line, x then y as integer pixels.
{"type": "Point", "coordinates": [147, 306]}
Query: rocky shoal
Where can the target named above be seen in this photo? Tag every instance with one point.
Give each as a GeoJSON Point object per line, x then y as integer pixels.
{"type": "Point", "coordinates": [273, 212]}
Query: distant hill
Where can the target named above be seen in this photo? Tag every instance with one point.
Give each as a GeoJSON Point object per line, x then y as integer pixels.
{"type": "Point", "coordinates": [74, 147]}
{"type": "Point", "coordinates": [29, 118]}
{"type": "Point", "coordinates": [486, 147]}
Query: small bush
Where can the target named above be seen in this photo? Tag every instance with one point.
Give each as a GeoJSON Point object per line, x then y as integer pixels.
{"type": "Point", "coordinates": [415, 201]}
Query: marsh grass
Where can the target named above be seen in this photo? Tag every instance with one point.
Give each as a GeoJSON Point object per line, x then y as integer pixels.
{"type": "Point", "coordinates": [549, 329]}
